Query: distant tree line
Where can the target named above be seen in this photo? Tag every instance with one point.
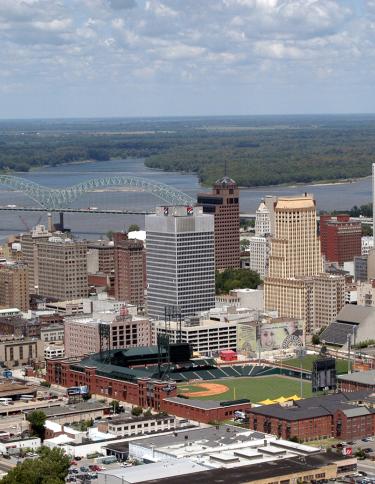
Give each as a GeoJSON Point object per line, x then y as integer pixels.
{"type": "Point", "coordinates": [259, 151]}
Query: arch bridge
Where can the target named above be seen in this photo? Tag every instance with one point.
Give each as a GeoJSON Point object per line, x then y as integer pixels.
{"type": "Point", "coordinates": [61, 198]}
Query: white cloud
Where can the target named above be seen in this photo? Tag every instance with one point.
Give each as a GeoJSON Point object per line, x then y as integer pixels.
{"type": "Point", "coordinates": [223, 43]}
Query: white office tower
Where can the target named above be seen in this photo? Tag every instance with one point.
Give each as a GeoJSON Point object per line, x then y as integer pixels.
{"type": "Point", "coordinates": [259, 245]}
{"type": "Point", "coordinates": [180, 260]}
{"type": "Point", "coordinates": [259, 251]}
{"type": "Point", "coordinates": [262, 220]}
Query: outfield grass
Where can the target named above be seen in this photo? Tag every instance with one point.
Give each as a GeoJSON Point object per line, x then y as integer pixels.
{"type": "Point", "coordinates": [255, 389]}
{"type": "Point", "coordinates": [307, 363]}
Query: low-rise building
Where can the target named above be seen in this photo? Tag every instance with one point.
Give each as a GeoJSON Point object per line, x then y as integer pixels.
{"type": "Point", "coordinates": [21, 351]}
{"type": "Point", "coordinates": [206, 337]}
{"type": "Point", "coordinates": [344, 416]}
{"type": "Point", "coordinates": [314, 468]}
{"type": "Point", "coordinates": [83, 335]}
{"type": "Point", "coordinates": [366, 293]}
{"type": "Point", "coordinates": [53, 333]}
{"type": "Point", "coordinates": [367, 243]}
{"type": "Point", "coordinates": [62, 414]}
{"type": "Point", "coordinates": [205, 411]}
{"type": "Point", "coordinates": [54, 351]}
{"type": "Point", "coordinates": [135, 426]}
{"type": "Point", "coordinates": [13, 446]}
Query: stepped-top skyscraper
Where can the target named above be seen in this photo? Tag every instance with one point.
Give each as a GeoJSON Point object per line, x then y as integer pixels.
{"type": "Point", "coordinates": [180, 260]}
{"type": "Point", "coordinates": [295, 249]}
{"type": "Point", "coordinates": [296, 285]}
{"type": "Point", "coordinates": [223, 204]}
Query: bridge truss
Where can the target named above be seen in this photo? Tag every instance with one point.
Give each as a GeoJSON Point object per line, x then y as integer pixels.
{"type": "Point", "coordinates": [60, 198]}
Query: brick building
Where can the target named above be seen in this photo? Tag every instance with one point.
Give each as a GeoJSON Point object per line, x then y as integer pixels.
{"type": "Point", "coordinates": [340, 238]}
{"type": "Point", "coordinates": [344, 415]}
{"type": "Point", "coordinates": [357, 381]}
{"type": "Point", "coordinates": [223, 204]}
{"type": "Point", "coordinates": [124, 386]}
{"type": "Point", "coordinates": [204, 411]}
{"type": "Point", "coordinates": [130, 269]}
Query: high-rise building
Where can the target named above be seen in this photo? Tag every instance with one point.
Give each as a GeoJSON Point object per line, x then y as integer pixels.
{"type": "Point", "coordinates": [262, 220]}
{"type": "Point", "coordinates": [29, 253]}
{"type": "Point", "coordinates": [14, 286]}
{"type": "Point", "coordinates": [130, 270]}
{"type": "Point", "coordinates": [100, 257]}
{"type": "Point", "coordinates": [61, 268]}
{"type": "Point", "coordinates": [259, 244]}
{"type": "Point", "coordinates": [295, 259]}
{"type": "Point", "coordinates": [295, 248]}
{"type": "Point", "coordinates": [223, 204]}
{"type": "Point", "coordinates": [180, 260]}
{"type": "Point", "coordinates": [259, 250]}
{"type": "Point", "coordinates": [360, 268]}
{"type": "Point", "coordinates": [340, 238]}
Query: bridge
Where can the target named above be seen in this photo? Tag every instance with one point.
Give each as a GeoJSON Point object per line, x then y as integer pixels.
{"type": "Point", "coordinates": [59, 199]}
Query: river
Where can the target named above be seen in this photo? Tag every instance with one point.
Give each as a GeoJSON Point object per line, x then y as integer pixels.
{"type": "Point", "coordinates": [328, 197]}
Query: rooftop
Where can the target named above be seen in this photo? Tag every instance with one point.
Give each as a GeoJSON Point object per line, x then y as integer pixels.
{"type": "Point", "coordinates": [351, 313]}
{"type": "Point", "coordinates": [239, 475]}
{"type": "Point", "coordinates": [295, 203]}
{"type": "Point", "coordinates": [71, 409]}
{"type": "Point", "coordinates": [364, 377]}
{"type": "Point", "coordinates": [160, 471]}
{"type": "Point", "coordinates": [203, 404]}
{"type": "Point", "coordinates": [212, 437]}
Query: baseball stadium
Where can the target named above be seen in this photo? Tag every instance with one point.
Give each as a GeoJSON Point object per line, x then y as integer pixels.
{"type": "Point", "coordinates": [144, 376]}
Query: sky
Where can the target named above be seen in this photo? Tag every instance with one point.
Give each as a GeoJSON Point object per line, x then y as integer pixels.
{"type": "Point", "coordinates": [99, 58]}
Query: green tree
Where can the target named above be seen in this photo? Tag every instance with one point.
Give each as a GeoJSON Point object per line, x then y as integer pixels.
{"type": "Point", "coordinates": [37, 419]}
{"type": "Point", "coordinates": [133, 228]}
{"type": "Point", "coordinates": [50, 468]}
{"type": "Point", "coordinates": [115, 406]}
{"type": "Point", "coordinates": [137, 411]}
{"type": "Point", "coordinates": [315, 339]}
{"type": "Point", "coordinates": [366, 230]}
{"type": "Point", "coordinates": [236, 279]}
{"type": "Point", "coordinates": [147, 413]}
{"type": "Point", "coordinates": [244, 244]}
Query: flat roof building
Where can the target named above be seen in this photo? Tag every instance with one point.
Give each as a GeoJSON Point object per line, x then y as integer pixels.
{"type": "Point", "coordinates": [180, 260]}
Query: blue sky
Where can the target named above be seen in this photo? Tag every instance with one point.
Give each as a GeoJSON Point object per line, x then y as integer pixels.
{"type": "Point", "coordinates": [83, 58]}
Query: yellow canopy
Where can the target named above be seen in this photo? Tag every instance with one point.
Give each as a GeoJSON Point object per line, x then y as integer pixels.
{"type": "Point", "coordinates": [294, 397]}
{"type": "Point", "coordinates": [281, 400]}
{"type": "Point", "coordinates": [267, 402]}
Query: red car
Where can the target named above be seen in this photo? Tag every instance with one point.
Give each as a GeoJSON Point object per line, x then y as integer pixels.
{"type": "Point", "coordinates": [73, 463]}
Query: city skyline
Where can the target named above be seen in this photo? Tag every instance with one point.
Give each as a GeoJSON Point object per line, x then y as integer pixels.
{"type": "Point", "coordinates": [105, 58]}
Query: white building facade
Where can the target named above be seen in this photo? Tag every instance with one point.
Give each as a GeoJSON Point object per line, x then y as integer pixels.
{"type": "Point", "coordinates": [180, 260]}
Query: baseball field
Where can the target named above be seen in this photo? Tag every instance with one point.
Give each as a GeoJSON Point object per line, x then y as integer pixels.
{"type": "Point", "coordinates": [256, 389]}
